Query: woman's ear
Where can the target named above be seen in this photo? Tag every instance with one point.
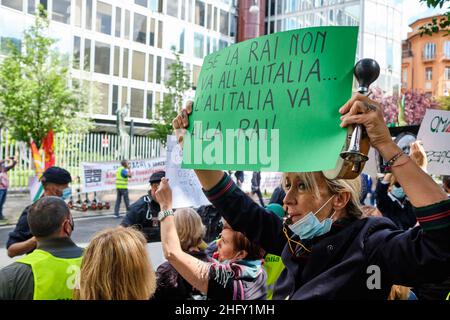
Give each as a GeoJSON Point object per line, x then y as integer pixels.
{"type": "Point", "coordinates": [242, 254]}
{"type": "Point", "coordinates": [340, 200]}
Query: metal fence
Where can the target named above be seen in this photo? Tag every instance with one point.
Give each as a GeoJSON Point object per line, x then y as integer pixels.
{"type": "Point", "coordinates": [72, 149]}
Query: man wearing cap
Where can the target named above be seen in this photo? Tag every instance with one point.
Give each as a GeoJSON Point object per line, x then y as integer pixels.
{"type": "Point", "coordinates": [50, 271]}
{"type": "Point", "coordinates": [55, 182]}
{"type": "Point", "coordinates": [144, 212]}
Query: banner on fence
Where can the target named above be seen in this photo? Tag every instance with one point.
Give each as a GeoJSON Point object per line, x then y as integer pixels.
{"type": "Point", "coordinates": [99, 176]}
{"type": "Point", "coordinates": [269, 181]}
{"type": "Point", "coordinates": [186, 189]}
{"type": "Point", "coordinates": [435, 135]}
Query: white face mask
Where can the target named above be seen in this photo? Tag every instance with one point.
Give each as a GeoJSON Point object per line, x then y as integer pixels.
{"type": "Point", "coordinates": [309, 226]}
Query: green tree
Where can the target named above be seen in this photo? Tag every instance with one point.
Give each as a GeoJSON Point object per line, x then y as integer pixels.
{"type": "Point", "coordinates": [35, 96]}
{"type": "Point", "coordinates": [435, 26]}
{"type": "Point", "coordinates": [177, 84]}
{"type": "Point", "coordinates": [444, 103]}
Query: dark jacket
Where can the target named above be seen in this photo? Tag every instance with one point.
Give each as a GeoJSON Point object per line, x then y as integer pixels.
{"type": "Point", "coordinates": [400, 212]}
{"type": "Point", "coordinates": [278, 196]}
{"type": "Point", "coordinates": [16, 279]}
{"type": "Point", "coordinates": [339, 266]}
{"type": "Point", "coordinates": [170, 285]}
{"type": "Point", "coordinates": [256, 181]}
{"type": "Point", "coordinates": [22, 231]}
{"type": "Point", "coordinates": [144, 215]}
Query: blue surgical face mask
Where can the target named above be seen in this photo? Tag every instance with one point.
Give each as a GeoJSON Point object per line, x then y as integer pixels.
{"type": "Point", "coordinates": [67, 192]}
{"type": "Point", "coordinates": [398, 192]}
{"type": "Point", "coordinates": [309, 226]}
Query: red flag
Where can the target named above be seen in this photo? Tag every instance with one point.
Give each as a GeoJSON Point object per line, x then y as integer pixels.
{"type": "Point", "coordinates": [49, 147]}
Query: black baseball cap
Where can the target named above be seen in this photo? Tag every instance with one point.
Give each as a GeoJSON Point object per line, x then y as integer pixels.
{"type": "Point", "coordinates": [157, 176]}
{"type": "Point", "coordinates": [56, 175]}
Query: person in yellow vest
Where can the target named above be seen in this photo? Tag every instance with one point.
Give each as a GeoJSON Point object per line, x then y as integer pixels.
{"type": "Point", "coordinates": [122, 175]}
{"type": "Point", "coordinates": [272, 263]}
{"type": "Point", "coordinates": [51, 271]}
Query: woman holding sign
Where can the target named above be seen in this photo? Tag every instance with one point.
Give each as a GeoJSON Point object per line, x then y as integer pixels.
{"type": "Point", "coordinates": [329, 251]}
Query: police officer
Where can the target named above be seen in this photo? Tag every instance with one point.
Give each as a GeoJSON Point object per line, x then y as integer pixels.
{"type": "Point", "coordinates": [144, 212]}
{"type": "Point", "coordinates": [50, 271]}
{"type": "Point", "coordinates": [55, 182]}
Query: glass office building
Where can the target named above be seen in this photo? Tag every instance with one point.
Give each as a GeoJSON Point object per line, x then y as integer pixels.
{"type": "Point", "coordinates": [124, 47]}
{"type": "Point", "coordinates": [379, 24]}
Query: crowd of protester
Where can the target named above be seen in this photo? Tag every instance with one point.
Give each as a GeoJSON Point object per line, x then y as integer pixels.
{"type": "Point", "coordinates": [315, 239]}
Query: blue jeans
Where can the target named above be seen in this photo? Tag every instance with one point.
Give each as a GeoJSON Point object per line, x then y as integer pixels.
{"type": "Point", "coordinates": [121, 193]}
{"type": "Point", "coordinates": [2, 201]}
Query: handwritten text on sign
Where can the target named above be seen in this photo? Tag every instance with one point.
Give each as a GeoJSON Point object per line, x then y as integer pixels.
{"type": "Point", "coordinates": [272, 103]}
{"type": "Point", "coordinates": [435, 135]}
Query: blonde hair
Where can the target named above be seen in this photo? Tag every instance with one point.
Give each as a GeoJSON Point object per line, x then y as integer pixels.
{"type": "Point", "coordinates": [352, 186]}
{"type": "Point", "coordinates": [189, 227]}
{"type": "Point", "coordinates": [116, 266]}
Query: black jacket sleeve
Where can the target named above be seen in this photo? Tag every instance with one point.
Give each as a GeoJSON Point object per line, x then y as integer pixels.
{"type": "Point", "coordinates": [22, 231]}
{"type": "Point", "coordinates": [244, 215]}
{"type": "Point", "coordinates": [418, 255]}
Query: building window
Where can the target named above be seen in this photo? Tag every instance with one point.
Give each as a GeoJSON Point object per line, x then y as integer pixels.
{"type": "Point", "coordinates": [150, 68]}
{"type": "Point", "coordinates": [200, 13]}
{"type": "Point", "coordinates": [198, 45]}
{"type": "Point", "coordinates": [15, 4]}
{"type": "Point", "coordinates": [160, 33]}
{"type": "Point", "coordinates": [138, 66]}
{"type": "Point", "coordinates": [104, 13]}
{"type": "Point", "coordinates": [209, 17]}
{"type": "Point", "coordinates": [124, 99]}
{"type": "Point", "coordinates": [31, 6]}
{"type": "Point", "coordinates": [155, 5]}
{"type": "Point", "coordinates": [87, 55]}
{"type": "Point", "coordinates": [4, 41]}
{"type": "Point", "coordinates": [61, 11]}
{"type": "Point", "coordinates": [127, 25]}
{"type": "Point", "coordinates": [137, 103]}
{"type": "Point", "coordinates": [102, 54]}
{"type": "Point", "coordinates": [172, 8]}
{"type": "Point", "coordinates": [118, 20]}
{"type": "Point", "coordinates": [158, 69]}
{"type": "Point", "coordinates": [89, 14]}
{"type": "Point", "coordinates": [103, 89]}
{"type": "Point", "coordinates": [405, 75]}
{"type": "Point", "coordinates": [141, 2]}
{"type": "Point", "coordinates": [224, 22]}
{"type": "Point", "coordinates": [167, 71]}
{"type": "Point", "coordinates": [116, 61]}
{"type": "Point", "coordinates": [140, 28]}
{"type": "Point", "coordinates": [195, 74]}
{"type": "Point", "coordinates": [115, 99]}
{"type": "Point", "coordinates": [125, 63]}
{"type": "Point", "coordinates": [149, 113]}
{"type": "Point", "coordinates": [76, 52]}
{"type": "Point", "coordinates": [77, 13]}
{"type": "Point", "coordinates": [183, 9]}
{"type": "Point", "coordinates": [233, 26]}
{"type": "Point", "coordinates": [222, 44]}
{"type": "Point", "coordinates": [44, 4]}
{"type": "Point", "coordinates": [429, 74]}
{"type": "Point", "coordinates": [447, 73]}
{"type": "Point", "coordinates": [430, 50]}
{"type": "Point", "coordinates": [152, 32]}
{"type": "Point", "coordinates": [447, 49]}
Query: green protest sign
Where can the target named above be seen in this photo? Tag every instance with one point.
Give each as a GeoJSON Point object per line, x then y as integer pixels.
{"type": "Point", "coordinates": [271, 103]}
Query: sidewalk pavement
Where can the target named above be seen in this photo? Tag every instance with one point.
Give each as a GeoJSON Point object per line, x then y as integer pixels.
{"type": "Point", "coordinates": [16, 202]}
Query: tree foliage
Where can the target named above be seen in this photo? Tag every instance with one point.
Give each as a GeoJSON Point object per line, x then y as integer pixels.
{"type": "Point", "coordinates": [177, 84]}
{"type": "Point", "coordinates": [436, 26]}
{"type": "Point", "coordinates": [35, 96]}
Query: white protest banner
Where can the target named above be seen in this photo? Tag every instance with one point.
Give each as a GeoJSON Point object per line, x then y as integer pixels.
{"type": "Point", "coordinates": [435, 135]}
{"type": "Point", "coordinates": [186, 189]}
{"type": "Point", "coordinates": [99, 176]}
{"type": "Point", "coordinates": [269, 181]}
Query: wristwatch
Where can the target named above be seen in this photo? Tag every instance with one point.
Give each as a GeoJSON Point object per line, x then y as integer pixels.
{"type": "Point", "coordinates": [165, 213]}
